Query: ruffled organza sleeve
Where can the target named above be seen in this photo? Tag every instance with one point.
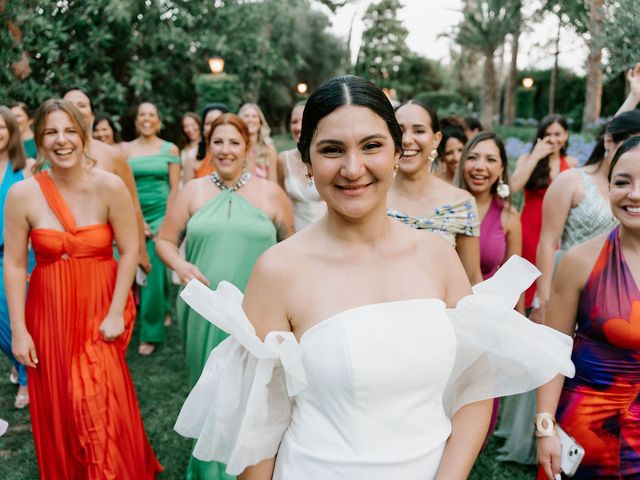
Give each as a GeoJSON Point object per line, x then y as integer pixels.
{"type": "Point", "coordinates": [241, 406]}
{"type": "Point", "coordinates": [499, 351]}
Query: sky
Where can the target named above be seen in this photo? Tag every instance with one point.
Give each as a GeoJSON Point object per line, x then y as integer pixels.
{"type": "Point", "coordinates": [427, 20]}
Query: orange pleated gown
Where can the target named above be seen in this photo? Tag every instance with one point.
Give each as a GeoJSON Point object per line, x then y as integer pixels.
{"type": "Point", "coordinates": [84, 411]}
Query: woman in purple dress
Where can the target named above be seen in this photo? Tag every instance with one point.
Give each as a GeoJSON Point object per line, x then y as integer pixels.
{"type": "Point", "coordinates": [484, 172]}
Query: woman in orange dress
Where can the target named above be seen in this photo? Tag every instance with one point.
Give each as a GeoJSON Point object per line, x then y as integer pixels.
{"type": "Point", "coordinates": [79, 313]}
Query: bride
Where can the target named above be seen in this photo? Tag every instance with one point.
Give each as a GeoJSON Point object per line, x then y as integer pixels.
{"type": "Point", "coordinates": [359, 350]}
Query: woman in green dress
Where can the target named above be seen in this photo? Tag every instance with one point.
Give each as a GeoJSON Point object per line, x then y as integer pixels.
{"type": "Point", "coordinates": [230, 218]}
{"type": "Point", "coordinates": [156, 167]}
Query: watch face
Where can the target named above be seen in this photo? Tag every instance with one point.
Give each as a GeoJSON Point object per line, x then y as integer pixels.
{"type": "Point", "coordinates": [545, 425]}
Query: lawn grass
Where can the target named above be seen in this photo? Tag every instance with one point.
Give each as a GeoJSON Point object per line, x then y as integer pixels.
{"type": "Point", "coordinates": [161, 385]}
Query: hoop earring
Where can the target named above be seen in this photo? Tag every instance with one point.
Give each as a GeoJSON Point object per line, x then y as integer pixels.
{"type": "Point", "coordinates": [503, 189]}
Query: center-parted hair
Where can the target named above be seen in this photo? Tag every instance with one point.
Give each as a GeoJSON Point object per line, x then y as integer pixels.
{"type": "Point", "coordinates": [341, 91]}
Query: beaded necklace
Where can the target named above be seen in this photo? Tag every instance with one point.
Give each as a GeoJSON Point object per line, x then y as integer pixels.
{"type": "Point", "coordinates": [242, 181]}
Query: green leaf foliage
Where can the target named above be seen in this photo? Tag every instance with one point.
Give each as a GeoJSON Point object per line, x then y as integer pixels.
{"type": "Point", "coordinates": [122, 52]}
{"type": "Point", "coordinates": [383, 44]}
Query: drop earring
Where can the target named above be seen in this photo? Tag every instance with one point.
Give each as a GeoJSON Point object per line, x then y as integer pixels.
{"type": "Point", "coordinates": [309, 179]}
{"type": "Point", "coordinates": [503, 189]}
{"type": "Point", "coordinates": [396, 167]}
{"type": "Point", "coordinates": [432, 157]}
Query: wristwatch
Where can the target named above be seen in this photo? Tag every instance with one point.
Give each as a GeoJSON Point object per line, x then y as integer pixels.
{"type": "Point", "coordinates": [545, 425]}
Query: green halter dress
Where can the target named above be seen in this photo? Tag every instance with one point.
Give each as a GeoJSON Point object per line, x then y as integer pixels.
{"type": "Point", "coordinates": [224, 239]}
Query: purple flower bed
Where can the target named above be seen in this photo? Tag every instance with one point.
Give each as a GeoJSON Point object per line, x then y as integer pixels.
{"type": "Point", "coordinates": [578, 147]}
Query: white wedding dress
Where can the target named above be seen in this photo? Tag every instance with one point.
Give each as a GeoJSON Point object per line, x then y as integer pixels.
{"type": "Point", "coordinates": [369, 392]}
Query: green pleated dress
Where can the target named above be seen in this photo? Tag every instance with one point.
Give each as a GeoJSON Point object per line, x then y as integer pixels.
{"type": "Point", "coordinates": [151, 173]}
{"type": "Point", "coordinates": [224, 239]}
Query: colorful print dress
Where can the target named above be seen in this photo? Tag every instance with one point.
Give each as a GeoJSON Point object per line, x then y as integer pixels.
{"type": "Point", "coordinates": [448, 221]}
{"type": "Point", "coordinates": [600, 406]}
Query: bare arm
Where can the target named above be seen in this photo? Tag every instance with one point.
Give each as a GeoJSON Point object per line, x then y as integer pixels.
{"type": "Point", "coordinates": [170, 233]}
{"type": "Point", "coordinates": [526, 164]}
{"type": "Point", "coordinates": [470, 423]}
{"type": "Point", "coordinates": [174, 174]}
{"type": "Point", "coordinates": [561, 313]}
{"type": "Point", "coordinates": [265, 309]}
{"type": "Point", "coordinates": [123, 170]}
{"type": "Point", "coordinates": [284, 214]}
{"type": "Point", "coordinates": [513, 229]}
{"type": "Point", "coordinates": [632, 100]}
{"type": "Point", "coordinates": [16, 243]}
{"type": "Point", "coordinates": [281, 161]}
{"type": "Point", "coordinates": [468, 249]}
{"type": "Point", "coordinates": [190, 166]}
{"type": "Point", "coordinates": [555, 210]}
{"type": "Point", "coordinates": [273, 164]}
{"type": "Point", "coordinates": [122, 219]}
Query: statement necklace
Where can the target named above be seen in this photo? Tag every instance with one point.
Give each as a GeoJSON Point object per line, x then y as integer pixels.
{"type": "Point", "coordinates": [242, 181]}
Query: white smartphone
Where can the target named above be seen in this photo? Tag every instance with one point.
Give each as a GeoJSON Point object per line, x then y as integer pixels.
{"type": "Point", "coordinates": [571, 453]}
{"type": "Point", "coordinates": [141, 277]}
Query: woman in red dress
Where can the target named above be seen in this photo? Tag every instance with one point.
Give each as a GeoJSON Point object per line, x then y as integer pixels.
{"type": "Point", "coordinates": [533, 173]}
{"type": "Point", "coordinates": [79, 313]}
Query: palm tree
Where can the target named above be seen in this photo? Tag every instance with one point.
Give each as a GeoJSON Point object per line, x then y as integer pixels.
{"type": "Point", "coordinates": [483, 29]}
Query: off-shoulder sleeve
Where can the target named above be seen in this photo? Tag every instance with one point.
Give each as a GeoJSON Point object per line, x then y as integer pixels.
{"type": "Point", "coordinates": [499, 351]}
{"type": "Point", "coordinates": [240, 407]}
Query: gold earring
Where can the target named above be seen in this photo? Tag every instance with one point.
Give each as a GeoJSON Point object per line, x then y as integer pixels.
{"type": "Point", "coordinates": [396, 167]}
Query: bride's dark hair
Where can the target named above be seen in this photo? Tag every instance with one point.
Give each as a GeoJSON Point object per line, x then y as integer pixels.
{"type": "Point", "coordinates": [340, 91]}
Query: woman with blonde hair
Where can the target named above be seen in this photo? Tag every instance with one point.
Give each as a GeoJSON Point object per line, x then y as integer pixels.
{"type": "Point", "coordinates": [263, 160]}
{"type": "Point", "coordinates": [74, 331]}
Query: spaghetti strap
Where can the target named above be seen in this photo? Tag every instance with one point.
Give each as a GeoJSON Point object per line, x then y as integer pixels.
{"type": "Point", "coordinates": [56, 202]}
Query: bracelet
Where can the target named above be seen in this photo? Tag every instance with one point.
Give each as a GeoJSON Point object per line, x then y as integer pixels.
{"type": "Point", "coordinates": [545, 425]}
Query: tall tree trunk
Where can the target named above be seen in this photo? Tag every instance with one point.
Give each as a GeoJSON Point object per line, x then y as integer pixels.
{"type": "Point", "coordinates": [593, 96]}
{"type": "Point", "coordinates": [553, 83]}
{"type": "Point", "coordinates": [509, 111]}
{"type": "Point", "coordinates": [489, 90]}
{"type": "Point", "coordinates": [500, 77]}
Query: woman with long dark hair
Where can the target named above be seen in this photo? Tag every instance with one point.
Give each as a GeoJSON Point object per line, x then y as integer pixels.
{"type": "Point", "coordinates": [420, 199]}
{"type": "Point", "coordinates": [533, 173]}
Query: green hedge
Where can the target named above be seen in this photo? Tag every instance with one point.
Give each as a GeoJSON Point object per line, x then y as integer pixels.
{"type": "Point", "coordinates": [219, 88]}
